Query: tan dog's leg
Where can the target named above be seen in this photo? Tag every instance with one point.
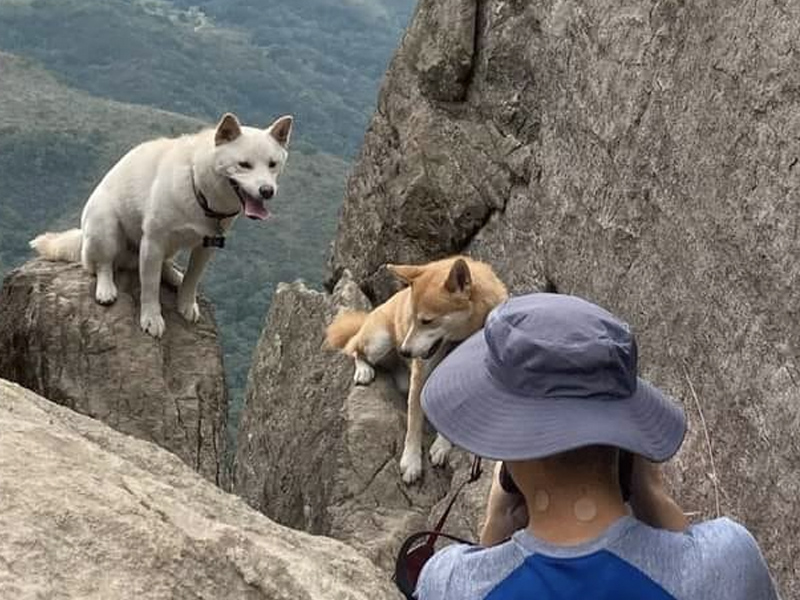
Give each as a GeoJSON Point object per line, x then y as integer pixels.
{"type": "Point", "coordinates": [371, 346]}
{"type": "Point", "coordinates": [411, 461]}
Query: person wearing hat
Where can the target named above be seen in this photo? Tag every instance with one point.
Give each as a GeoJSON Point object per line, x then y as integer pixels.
{"type": "Point", "coordinates": [550, 387]}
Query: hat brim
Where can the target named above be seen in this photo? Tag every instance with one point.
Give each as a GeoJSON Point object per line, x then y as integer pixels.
{"type": "Point", "coordinates": [468, 407]}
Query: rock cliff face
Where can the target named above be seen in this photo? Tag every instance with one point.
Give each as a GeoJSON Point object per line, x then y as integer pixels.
{"type": "Point", "coordinates": [87, 512]}
{"type": "Point", "coordinates": [316, 453]}
{"type": "Point", "coordinates": [56, 341]}
{"type": "Point", "coordinates": [643, 155]}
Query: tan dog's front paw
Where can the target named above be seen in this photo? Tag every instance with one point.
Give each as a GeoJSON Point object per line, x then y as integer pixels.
{"type": "Point", "coordinates": [364, 373]}
{"type": "Point", "coordinates": [411, 465]}
{"type": "Point", "coordinates": [440, 450]}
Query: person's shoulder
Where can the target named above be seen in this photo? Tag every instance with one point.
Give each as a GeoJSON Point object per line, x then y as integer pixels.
{"type": "Point", "coordinates": [710, 560]}
{"type": "Point", "coordinates": [730, 558]}
{"type": "Point", "coordinates": [724, 538]}
{"type": "Point", "coordinates": [466, 572]}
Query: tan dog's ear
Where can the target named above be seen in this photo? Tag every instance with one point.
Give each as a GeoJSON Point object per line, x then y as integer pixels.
{"type": "Point", "coordinates": [281, 130]}
{"type": "Point", "coordinates": [460, 279]}
{"type": "Point", "coordinates": [407, 273]}
{"type": "Point", "coordinates": [228, 129]}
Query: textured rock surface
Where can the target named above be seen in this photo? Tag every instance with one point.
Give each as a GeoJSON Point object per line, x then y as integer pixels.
{"type": "Point", "coordinates": [87, 512]}
{"type": "Point", "coordinates": [440, 47]}
{"type": "Point", "coordinates": [316, 453]}
{"type": "Point", "coordinates": [641, 154]}
{"type": "Point", "coordinates": [56, 341]}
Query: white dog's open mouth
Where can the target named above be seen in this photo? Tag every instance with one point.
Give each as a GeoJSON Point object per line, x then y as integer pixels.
{"type": "Point", "coordinates": [254, 208]}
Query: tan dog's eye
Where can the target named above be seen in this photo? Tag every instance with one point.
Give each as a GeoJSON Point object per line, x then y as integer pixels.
{"type": "Point", "coordinates": [425, 321]}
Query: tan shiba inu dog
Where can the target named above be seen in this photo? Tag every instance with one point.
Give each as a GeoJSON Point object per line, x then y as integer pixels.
{"type": "Point", "coordinates": [446, 302]}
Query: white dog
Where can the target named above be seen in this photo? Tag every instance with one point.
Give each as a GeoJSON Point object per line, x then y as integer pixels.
{"type": "Point", "coordinates": [166, 195]}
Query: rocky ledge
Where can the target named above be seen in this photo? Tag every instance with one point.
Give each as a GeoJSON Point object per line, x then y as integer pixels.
{"type": "Point", "coordinates": [57, 341]}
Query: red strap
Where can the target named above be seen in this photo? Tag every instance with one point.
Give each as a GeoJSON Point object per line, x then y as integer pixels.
{"type": "Point", "coordinates": [409, 562]}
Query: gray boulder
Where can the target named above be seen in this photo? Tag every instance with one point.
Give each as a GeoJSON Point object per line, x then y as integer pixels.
{"type": "Point", "coordinates": [90, 513]}
{"type": "Point", "coordinates": [56, 341]}
{"type": "Point", "coordinates": [645, 156]}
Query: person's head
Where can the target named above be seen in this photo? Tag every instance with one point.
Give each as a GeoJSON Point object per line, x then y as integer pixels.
{"type": "Point", "coordinates": [550, 386]}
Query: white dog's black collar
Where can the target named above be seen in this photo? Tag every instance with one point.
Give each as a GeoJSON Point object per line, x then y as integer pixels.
{"type": "Point", "coordinates": [211, 241]}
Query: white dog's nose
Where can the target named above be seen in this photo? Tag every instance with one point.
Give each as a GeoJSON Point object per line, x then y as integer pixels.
{"type": "Point", "coordinates": [266, 191]}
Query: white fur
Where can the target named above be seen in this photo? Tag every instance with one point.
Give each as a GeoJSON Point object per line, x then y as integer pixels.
{"type": "Point", "coordinates": [364, 373]}
{"type": "Point", "coordinates": [411, 463]}
{"type": "Point", "coordinates": [147, 201]}
{"type": "Point", "coordinates": [439, 451]}
{"type": "Point", "coordinates": [64, 246]}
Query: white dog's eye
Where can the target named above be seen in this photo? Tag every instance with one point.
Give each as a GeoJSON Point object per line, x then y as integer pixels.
{"type": "Point", "coordinates": [272, 164]}
{"type": "Point", "coordinates": [425, 321]}
{"type": "Point", "coordinates": [245, 165]}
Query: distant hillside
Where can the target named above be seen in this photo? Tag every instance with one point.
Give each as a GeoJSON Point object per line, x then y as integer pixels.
{"type": "Point", "coordinates": [318, 59]}
{"type": "Point", "coordinates": [57, 142]}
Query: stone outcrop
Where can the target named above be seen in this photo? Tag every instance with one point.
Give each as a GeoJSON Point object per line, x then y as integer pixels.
{"type": "Point", "coordinates": [645, 156]}
{"type": "Point", "coordinates": [56, 341]}
{"type": "Point", "coordinates": [315, 452]}
{"type": "Point", "coordinates": [87, 512]}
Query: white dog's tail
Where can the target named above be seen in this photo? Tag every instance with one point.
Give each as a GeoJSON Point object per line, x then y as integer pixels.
{"type": "Point", "coordinates": [64, 246]}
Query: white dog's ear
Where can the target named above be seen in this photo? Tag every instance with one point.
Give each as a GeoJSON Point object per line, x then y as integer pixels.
{"type": "Point", "coordinates": [407, 273]}
{"type": "Point", "coordinates": [281, 129]}
{"type": "Point", "coordinates": [228, 129]}
{"type": "Point", "coordinates": [460, 279]}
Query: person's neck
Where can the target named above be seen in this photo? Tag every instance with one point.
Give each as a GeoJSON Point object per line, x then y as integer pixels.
{"type": "Point", "coordinates": [570, 508]}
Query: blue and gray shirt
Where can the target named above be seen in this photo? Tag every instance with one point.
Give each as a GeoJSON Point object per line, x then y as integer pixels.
{"type": "Point", "coordinates": [714, 560]}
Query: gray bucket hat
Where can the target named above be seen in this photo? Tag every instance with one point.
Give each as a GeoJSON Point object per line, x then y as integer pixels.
{"type": "Point", "coordinates": [550, 373]}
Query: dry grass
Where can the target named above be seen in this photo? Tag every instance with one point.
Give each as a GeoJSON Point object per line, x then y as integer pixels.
{"type": "Point", "coordinates": [713, 475]}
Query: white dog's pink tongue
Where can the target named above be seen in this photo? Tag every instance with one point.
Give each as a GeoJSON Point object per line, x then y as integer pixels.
{"type": "Point", "coordinates": [255, 209]}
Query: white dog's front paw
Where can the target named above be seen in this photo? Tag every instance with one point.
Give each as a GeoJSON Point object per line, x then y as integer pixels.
{"type": "Point", "coordinates": [152, 323]}
{"type": "Point", "coordinates": [189, 311]}
{"type": "Point", "coordinates": [411, 465]}
{"type": "Point", "coordinates": [106, 292]}
{"type": "Point", "coordinates": [364, 373]}
{"type": "Point", "coordinates": [440, 449]}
